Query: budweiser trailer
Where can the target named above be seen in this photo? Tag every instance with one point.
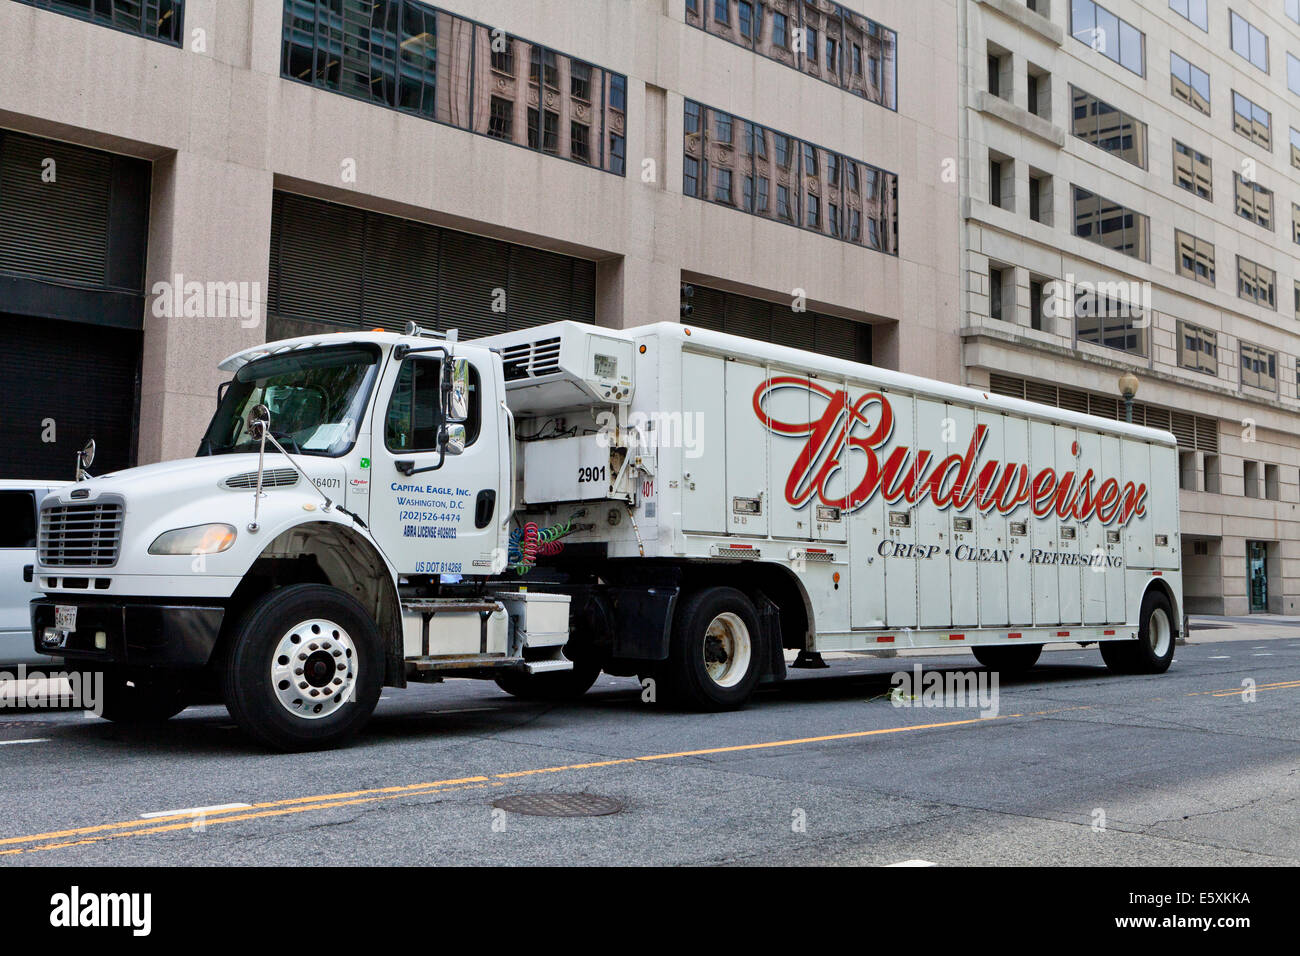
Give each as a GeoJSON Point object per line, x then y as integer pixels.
{"type": "Point", "coordinates": [368, 509]}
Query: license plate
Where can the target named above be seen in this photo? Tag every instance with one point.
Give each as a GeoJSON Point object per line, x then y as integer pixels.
{"type": "Point", "coordinates": [65, 617]}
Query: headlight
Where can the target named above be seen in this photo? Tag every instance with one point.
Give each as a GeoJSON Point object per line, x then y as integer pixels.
{"type": "Point", "coordinates": [201, 539]}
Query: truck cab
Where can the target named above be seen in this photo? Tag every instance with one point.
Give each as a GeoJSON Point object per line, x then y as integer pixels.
{"type": "Point", "coordinates": [309, 553]}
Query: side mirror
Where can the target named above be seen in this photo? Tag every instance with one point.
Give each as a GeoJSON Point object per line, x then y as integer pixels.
{"type": "Point", "coordinates": [454, 440]}
{"type": "Point", "coordinates": [456, 392]}
{"type": "Point", "coordinates": [259, 422]}
{"type": "Point", "coordinates": [85, 458]}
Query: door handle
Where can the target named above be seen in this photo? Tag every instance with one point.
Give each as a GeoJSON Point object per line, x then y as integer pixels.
{"type": "Point", "coordinates": [484, 507]}
{"type": "Point", "coordinates": [28, 572]}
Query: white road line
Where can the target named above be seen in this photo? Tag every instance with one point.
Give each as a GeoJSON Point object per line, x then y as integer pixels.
{"type": "Point", "coordinates": [1261, 655]}
{"type": "Point", "coordinates": [912, 863]}
{"type": "Point", "coordinates": [194, 811]}
{"type": "Point", "coordinates": [1220, 657]}
{"type": "Point", "coordinates": [464, 710]}
{"type": "Point", "coordinates": [30, 740]}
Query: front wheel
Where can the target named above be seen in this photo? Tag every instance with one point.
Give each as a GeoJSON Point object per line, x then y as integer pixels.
{"type": "Point", "coordinates": [1153, 651]}
{"type": "Point", "coordinates": [716, 651]}
{"type": "Point", "coordinates": [305, 668]}
{"type": "Point", "coordinates": [1008, 659]}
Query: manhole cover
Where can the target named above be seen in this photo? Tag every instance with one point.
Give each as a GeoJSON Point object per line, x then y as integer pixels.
{"type": "Point", "coordinates": [559, 804]}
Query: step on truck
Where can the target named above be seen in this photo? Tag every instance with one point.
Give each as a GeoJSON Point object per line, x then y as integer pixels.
{"type": "Point", "coordinates": [367, 510]}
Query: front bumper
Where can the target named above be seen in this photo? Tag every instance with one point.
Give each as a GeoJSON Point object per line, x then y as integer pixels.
{"type": "Point", "coordinates": [131, 632]}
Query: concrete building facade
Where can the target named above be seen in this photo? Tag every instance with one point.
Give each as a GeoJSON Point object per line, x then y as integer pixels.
{"type": "Point", "coordinates": [1129, 194]}
{"type": "Point", "coordinates": [306, 164]}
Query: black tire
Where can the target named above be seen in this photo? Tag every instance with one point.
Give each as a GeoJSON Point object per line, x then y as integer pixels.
{"type": "Point", "coordinates": [1153, 651]}
{"type": "Point", "coordinates": [1008, 659]}
{"type": "Point", "coordinates": [136, 701]}
{"type": "Point", "coordinates": [314, 720]}
{"type": "Point", "coordinates": [685, 678]}
{"type": "Point", "coordinates": [560, 686]}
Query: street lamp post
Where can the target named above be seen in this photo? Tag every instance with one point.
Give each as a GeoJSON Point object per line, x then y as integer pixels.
{"type": "Point", "coordinates": [1128, 387]}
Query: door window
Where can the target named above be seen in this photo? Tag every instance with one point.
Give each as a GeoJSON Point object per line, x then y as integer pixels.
{"type": "Point", "coordinates": [415, 409]}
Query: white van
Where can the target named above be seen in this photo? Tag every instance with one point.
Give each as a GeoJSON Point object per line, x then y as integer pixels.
{"type": "Point", "coordinates": [19, 501]}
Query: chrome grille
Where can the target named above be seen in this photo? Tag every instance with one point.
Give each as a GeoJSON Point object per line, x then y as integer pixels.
{"type": "Point", "coordinates": [271, 478]}
{"type": "Point", "coordinates": [82, 535]}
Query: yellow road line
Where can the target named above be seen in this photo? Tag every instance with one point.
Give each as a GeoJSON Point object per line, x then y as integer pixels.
{"type": "Point", "coordinates": [292, 805]}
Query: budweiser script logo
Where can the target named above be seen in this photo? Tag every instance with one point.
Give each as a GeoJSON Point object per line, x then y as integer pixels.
{"type": "Point", "coordinates": [865, 425]}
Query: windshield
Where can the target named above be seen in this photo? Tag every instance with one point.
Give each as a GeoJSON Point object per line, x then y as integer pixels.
{"type": "Point", "coordinates": [316, 397]}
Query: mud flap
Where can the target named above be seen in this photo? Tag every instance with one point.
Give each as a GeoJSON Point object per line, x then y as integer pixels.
{"type": "Point", "coordinates": [769, 623]}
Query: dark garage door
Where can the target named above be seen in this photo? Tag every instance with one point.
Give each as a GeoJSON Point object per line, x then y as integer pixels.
{"type": "Point", "coordinates": [69, 381]}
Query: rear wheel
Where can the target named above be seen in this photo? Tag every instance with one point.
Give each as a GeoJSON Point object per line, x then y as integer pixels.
{"type": "Point", "coordinates": [1153, 651]}
{"type": "Point", "coordinates": [560, 686]}
{"type": "Point", "coordinates": [1008, 659]}
{"type": "Point", "coordinates": [305, 668]}
{"type": "Point", "coordinates": [135, 700]}
{"type": "Point", "coordinates": [715, 653]}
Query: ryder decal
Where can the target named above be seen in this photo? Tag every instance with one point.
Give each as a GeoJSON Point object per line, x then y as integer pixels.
{"type": "Point", "coordinates": [901, 474]}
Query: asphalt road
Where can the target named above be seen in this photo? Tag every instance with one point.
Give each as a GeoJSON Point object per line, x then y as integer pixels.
{"type": "Point", "coordinates": [1078, 767]}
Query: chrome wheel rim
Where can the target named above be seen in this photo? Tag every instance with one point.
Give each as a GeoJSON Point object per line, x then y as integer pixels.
{"type": "Point", "coordinates": [727, 650]}
{"type": "Point", "coordinates": [314, 669]}
{"type": "Point", "coordinates": [1159, 632]}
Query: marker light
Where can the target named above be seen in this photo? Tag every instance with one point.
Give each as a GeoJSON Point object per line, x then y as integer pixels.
{"type": "Point", "coordinates": [200, 539]}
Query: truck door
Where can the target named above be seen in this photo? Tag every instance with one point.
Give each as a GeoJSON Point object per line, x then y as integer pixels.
{"type": "Point", "coordinates": [1069, 573]}
{"type": "Point", "coordinates": [704, 478]}
{"type": "Point", "coordinates": [447, 520]}
{"type": "Point", "coordinates": [991, 527]}
{"type": "Point", "coordinates": [1092, 536]}
{"type": "Point", "coordinates": [868, 530]}
{"type": "Point", "coordinates": [964, 527]}
{"type": "Point", "coordinates": [1116, 609]}
{"type": "Point", "coordinates": [1020, 594]}
{"type": "Point", "coordinates": [1042, 531]}
{"type": "Point", "coordinates": [899, 547]}
{"type": "Point", "coordinates": [747, 501]}
{"type": "Point", "coordinates": [1139, 535]}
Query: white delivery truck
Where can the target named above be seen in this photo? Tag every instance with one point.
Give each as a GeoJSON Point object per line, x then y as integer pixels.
{"type": "Point", "coordinates": [368, 509]}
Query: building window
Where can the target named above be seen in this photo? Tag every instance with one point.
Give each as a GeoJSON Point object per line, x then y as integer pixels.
{"type": "Point", "coordinates": [617, 154]}
{"type": "Point", "coordinates": [775, 322]}
{"type": "Point", "coordinates": [158, 20]}
{"type": "Point", "coordinates": [580, 142]}
{"type": "Point", "coordinates": [995, 75]}
{"type": "Point", "coordinates": [1293, 74]}
{"type": "Point", "coordinates": [1252, 121]}
{"type": "Point", "coordinates": [1253, 201]}
{"type": "Point", "coordinates": [1109, 224]}
{"type": "Point", "coordinates": [1295, 145]}
{"type": "Point", "coordinates": [1037, 291]}
{"type": "Point", "coordinates": [1258, 367]}
{"type": "Point", "coordinates": [409, 56]}
{"type": "Point", "coordinates": [1256, 283]}
{"type": "Point", "coordinates": [1189, 83]}
{"type": "Point", "coordinates": [1249, 42]}
{"type": "Point", "coordinates": [503, 60]}
{"type": "Point", "coordinates": [1110, 322]}
{"type": "Point", "coordinates": [1194, 258]}
{"type": "Point", "coordinates": [746, 19]}
{"type": "Point", "coordinates": [1193, 10]}
{"type": "Point", "coordinates": [996, 277]}
{"type": "Point", "coordinates": [1293, 10]}
{"type": "Point", "coordinates": [501, 124]}
{"type": "Point", "coordinates": [848, 186]}
{"type": "Point", "coordinates": [995, 182]}
{"type": "Point", "coordinates": [722, 186]}
{"type": "Point", "coordinates": [829, 33]}
{"type": "Point", "coordinates": [580, 81]}
{"type": "Point", "coordinates": [814, 212]}
{"type": "Point", "coordinates": [1198, 348]}
{"type": "Point", "coordinates": [780, 31]}
{"type": "Point", "coordinates": [1297, 315]}
{"type": "Point", "coordinates": [1112, 37]}
{"type": "Point", "coordinates": [691, 177]}
{"type": "Point", "coordinates": [1102, 125]}
{"type": "Point", "coordinates": [1295, 223]}
{"type": "Point", "coordinates": [1193, 171]}
{"type": "Point", "coordinates": [783, 209]}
